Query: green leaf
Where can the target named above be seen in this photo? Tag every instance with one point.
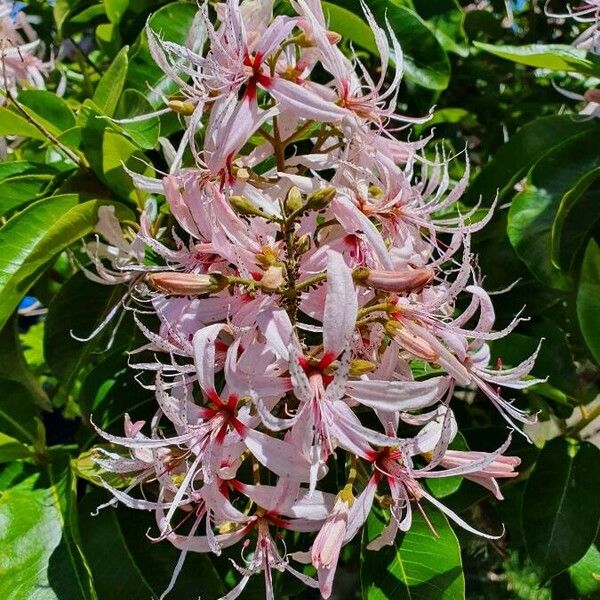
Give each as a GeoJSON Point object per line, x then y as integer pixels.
{"type": "Point", "coordinates": [588, 299]}
{"type": "Point", "coordinates": [109, 89]}
{"type": "Point", "coordinates": [48, 109]}
{"type": "Point", "coordinates": [585, 573]}
{"type": "Point", "coordinates": [173, 22]}
{"type": "Point", "coordinates": [533, 210]}
{"type": "Point", "coordinates": [560, 505]}
{"type": "Point", "coordinates": [12, 449]}
{"type": "Point", "coordinates": [526, 147]}
{"type": "Point", "coordinates": [575, 219]}
{"type": "Point", "coordinates": [32, 238]}
{"type": "Point", "coordinates": [126, 564]}
{"type": "Point", "coordinates": [350, 26]}
{"type": "Point", "coordinates": [418, 566]}
{"type": "Point", "coordinates": [115, 9]}
{"type": "Point", "coordinates": [425, 61]}
{"type": "Point", "coordinates": [38, 554]}
{"type": "Point", "coordinates": [12, 123]}
{"type": "Point", "coordinates": [143, 133]}
{"type": "Point", "coordinates": [117, 151]}
{"type": "Point", "coordinates": [87, 304]}
{"type": "Point", "coordinates": [21, 189]}
{"type": "Point", "coordinates": [19, 415]}
{"type": "Point", "coordinates": [554, 57]}
{"type": "Point", "coordinates": [13, 366]}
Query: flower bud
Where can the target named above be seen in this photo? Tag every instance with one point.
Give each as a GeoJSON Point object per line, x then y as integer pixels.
{"type": "Point", "coordinates": [243, 206]}
{"type": "Point", "coordinates": [293, 200]}
{"type": "Point", "coordinates": [303, 244]}
{"type": "Point", "coordinates": [409, 280]}
{"type": "Point", "coordinates": [183, 108]}
{"type": "Point", "coordinates": [321, 198]}
{"type": "Point", "coordinates": [186, 284]}
{"type": "Point", "coordinates": [414, 344]}
{"type": "Point", "coordinates": [360, 367]}
{"type": "Point", "coordinates": [272, 278]}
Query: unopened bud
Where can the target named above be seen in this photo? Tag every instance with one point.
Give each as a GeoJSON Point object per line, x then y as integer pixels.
{"type": "Point", "coordinates": [272, 278]}
{"type": "Point", "coordinates": [293, 200]}
{"type": "Point", "coordinates": [321, 198]}
{"type": "Point", "coordinates": [183, 108]}
{"type": "Point", "coordinates": [409, 280]}
{"type": "Point", "coordinates": [186, 284]}
{"type": "Point", "coordinates": [360, 367]}
{"type": "Point", "coordinates": [243, 206]}
{"type": "Point", "coordinates": [414, 344]}
{"type": "Point", "coordinates": [303, 244]}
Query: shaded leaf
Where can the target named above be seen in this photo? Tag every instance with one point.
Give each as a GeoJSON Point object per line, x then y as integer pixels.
{"type": "Point", "coordinates": [527, 146]}
{"type": "Point", "coordinates": [532, 213]}
{"type": "Point", "coordinates": [87, 304]}
{"type": "Point", "coordinates": [588, 299]}
{"type": "Point", "coordinates": [560, 505]}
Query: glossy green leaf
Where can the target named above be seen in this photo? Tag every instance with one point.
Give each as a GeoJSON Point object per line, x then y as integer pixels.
{"type": "Point", "coordinates": [418, 566]}
{"type": "Point", "coordinates": [527, 146]}
{"type": "Point", "coordinates": [533, 210]}
{"type": "Point", "coordinates": [585, 573]}
{"type": "Point", "coordinates": [87, 304]}
{"type": "Point", "coordinates": [115, 9]}
{"type": "Point", "coordinates": [48, 109]}
{"type": "Point", "coordinates": [21, 189]}
{"type": "Point", "coordinates": [38, 554]}
{"type": "Point", "coordinates": [173, 22]}
{"type": "Point", "coordinates": [12, 123]}
{"type": "Point", "coordinates": [144, 133]}
{"type": "Point", "coordinates": [12, 449]}
{"type": "Point", "coordinates": [32, 238]}
{"type": "Point", "coordinates": [109, 89]}
{"type": "Point", "coordinates": [560, 506]}
{"type": "Point", "coordinates": [13, 366]}
{"type": "Point", "coordinates": [117, 151]}
{"type": "Point", "coordinates": [588, 299]}
{"type": "Point", "coordinates": [350, 26]}
{"type": "Point", "coordinates": [575, 220]}
{"type": "Point", "coordinates": [554, 57]}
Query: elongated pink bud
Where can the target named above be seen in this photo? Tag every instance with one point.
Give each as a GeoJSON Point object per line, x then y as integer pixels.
{"type": "Point", "coordinates": [409, 280]}
{"type": "Point", "coordinates": [411, 342]}
{"type": "Point", "coordinates": [186, 284]}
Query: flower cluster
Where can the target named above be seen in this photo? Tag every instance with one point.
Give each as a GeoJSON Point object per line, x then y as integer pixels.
{"type": "Point", "coordinates": [588, 13]}
{"type": "Point", "coordinates": [19, 48]}
{"type": "Point", "coordinates": [313, 265]}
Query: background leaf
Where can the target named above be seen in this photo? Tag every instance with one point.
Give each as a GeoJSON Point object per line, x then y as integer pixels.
{"type": "Point", "coordinates": [560, 506]}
